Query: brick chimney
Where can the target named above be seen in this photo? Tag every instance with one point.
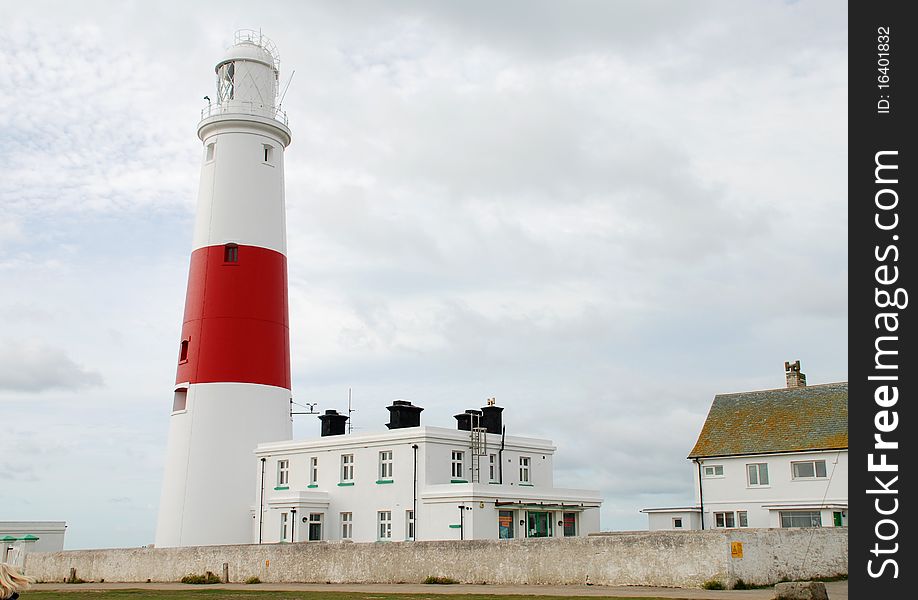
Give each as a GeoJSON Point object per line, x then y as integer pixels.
{"type": "Point", "coordinates": [793, 375]}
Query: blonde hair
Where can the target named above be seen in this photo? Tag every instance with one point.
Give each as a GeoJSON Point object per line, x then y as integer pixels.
{"type": "Point", "coordinates": [11, 581]}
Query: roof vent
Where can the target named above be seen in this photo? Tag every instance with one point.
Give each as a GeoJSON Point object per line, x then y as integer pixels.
{"type": "Point", "coordinates": [793, 375]}
{"type": "Point", "coordinates": [332, 423]}
{"type": "Point", "coordinates": [403, 414]}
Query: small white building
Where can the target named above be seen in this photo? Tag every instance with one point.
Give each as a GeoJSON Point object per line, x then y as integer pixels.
{"type": "Point", "coordinates": [21, 537]}
{"type": "Point", "coordinates": [769, 458]}
{"type": "Point", "coordinates": [415, 482]}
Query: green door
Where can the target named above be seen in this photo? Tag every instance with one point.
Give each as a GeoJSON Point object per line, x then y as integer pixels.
{"type": "Point", "coordinates": [837, 518]}
{"type": "Point", "coordinates": [539, 524]}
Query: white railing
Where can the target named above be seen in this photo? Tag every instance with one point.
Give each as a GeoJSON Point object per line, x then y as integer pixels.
{"type": "Point", "coordinates": [245, 108]}
{"type": "Point", "coordinates": [260, 40]}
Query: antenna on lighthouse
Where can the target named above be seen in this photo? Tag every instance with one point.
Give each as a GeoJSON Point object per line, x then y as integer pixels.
{"type": "Point", "coordinates": [281, 101]}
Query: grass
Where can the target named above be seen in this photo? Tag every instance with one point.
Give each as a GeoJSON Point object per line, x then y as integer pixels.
{"type": "Point", "coordinates": [217, 594]}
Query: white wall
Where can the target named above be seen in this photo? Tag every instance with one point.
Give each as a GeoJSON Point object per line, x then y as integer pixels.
{"type": "Point", "coordinates": [732, 492]}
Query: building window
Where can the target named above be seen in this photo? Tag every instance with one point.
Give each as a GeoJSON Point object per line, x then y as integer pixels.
{"type": "Point", "coordinates": [230, 253]}
{"type": "Point", "coordinates": [524, 469]}
{"type": "Point", "coordinates": [458, 459]}
{"type": "Point", "coordinates": [183, 351]}
{"type": "Point", "coordinates": [385, 465]}
{"type": "Point", "coordinates": [285, 518]}
{"type": "Point", "coordinates": [570, 524]}
{"type": "Point", "coordinates": [757, 474]}
{"type": "Point", "coordinates": [347, 525]}
{"type": "Point", "coordinates": [180, 400]}
{"type": "Point", "coordinates": [313, 470]}
{"type": "Point", "coordinates": [539, 524]}
{"type": "Point", "coordinates": [505, 525]}
{"type": "Point", "coordinates": [269, 154]}
{"type": "Point", "coordinates": [209, 156]}
{"type": "Point", "coordinates": [801, 518]}
{"type": "Point", "coordinates": [385, 525]}
{"type": "Point", "coordinates": [315, 527]}
{"type": "Point", "coordinates": [409, 525]}
{"type": "Point", "coordinates": [809, 469]}
{"type": "Point", "coordinates": [283, 472]}
{"type": "Point", "coordinates": [724, 519]}
{"type": "Point", "coordinates": [742, 518]}
{"type": "Point", "coordinates": [677, 522]}
{"type": "Point", "coordinates": [713, 471]}
{"type": "Point", "coordinates": [492, 467]}
{"type": "Point", "coordinates": [347, 468]}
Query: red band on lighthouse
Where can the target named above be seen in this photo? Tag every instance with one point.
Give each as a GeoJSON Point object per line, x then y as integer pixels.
{"type": "Point", "coordinates": [236, 324]}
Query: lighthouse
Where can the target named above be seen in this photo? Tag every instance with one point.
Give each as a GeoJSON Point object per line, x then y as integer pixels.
{"type": "Point", "coordinates": [232, 385]}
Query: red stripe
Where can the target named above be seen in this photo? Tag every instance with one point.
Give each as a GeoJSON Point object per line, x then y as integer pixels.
{"type": "Point", "coordinates": [236, 318]}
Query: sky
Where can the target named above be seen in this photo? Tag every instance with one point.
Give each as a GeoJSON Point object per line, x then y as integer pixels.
{"type": "Point", "coordinates": [600, 213]}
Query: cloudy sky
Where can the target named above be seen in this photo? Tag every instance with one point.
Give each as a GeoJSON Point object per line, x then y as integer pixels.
{"type": "Point", "coordinates": [601, 213]}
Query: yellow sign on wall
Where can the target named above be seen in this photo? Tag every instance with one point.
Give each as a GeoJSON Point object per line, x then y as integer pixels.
{"type": "Point", "coordinates": [736, 549]}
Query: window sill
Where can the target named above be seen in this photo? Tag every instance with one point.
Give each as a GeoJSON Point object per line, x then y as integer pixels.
{"type": "Point", "coordinates": [757, 487]}
{"type": "Point", "coordinates": [282, 487]}
{"type": "Point", "coordinates": [455, 526]}
{"type": "Point", "coordinates": [345, 483]}
{"type": "Point", "coordinates": [383, 481]}
{"type": "Point", "coordinates": [312, 485]}
{"type": "Point", "coordinates": [231, 264]}
{"type": "Point", "coordinates": [458, 481]}
{"type": "Point", "coordinates": [526, 485]}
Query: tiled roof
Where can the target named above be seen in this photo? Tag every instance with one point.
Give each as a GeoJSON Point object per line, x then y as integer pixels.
{"type": "Point", "coordinates": [784, 420]}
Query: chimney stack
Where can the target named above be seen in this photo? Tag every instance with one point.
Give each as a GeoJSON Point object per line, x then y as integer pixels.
{"type": "Point", "coordinates": [491, 416]}
{"type": "Point", "coordinates": [793, 375]}
{"type": "Point", "coordinates": [403, 414]}
{"type": "Point", "coordinates": [332, 423]}
{"type": "Point", "coordinates": [465, 419]}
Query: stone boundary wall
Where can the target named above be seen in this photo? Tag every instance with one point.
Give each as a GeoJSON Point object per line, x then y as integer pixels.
{"type": "Point", "coordinates": [656, 558]}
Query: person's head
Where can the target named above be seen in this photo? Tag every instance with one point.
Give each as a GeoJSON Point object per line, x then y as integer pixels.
{"type": "Point", "coordinates": [11, 581]}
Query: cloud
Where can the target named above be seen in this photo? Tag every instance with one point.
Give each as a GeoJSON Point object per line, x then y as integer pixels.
{"type": "Point", "coordinates": [35, 367]}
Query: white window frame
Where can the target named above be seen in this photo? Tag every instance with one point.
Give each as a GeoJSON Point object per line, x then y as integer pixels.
{"type": "Point", "coordinates": [409, 525]}
{"type": "Point", "coordinates": [385, 465]}
{"type": "Point", "coordinates": [347, 525]}
{"type": "Point", "coordinates": [818, 514]}
{"type": "Point", "coordinates": [814, 463]}
{"type": "Point", "coordinates": [384, 521]}
{"type": "Point", "coordinates": [724, 520]}
{"type": "Point", "coordinates": [457, 464]}
{"type": "Point", "coordinates": [284, 521]}
{"type": "Point", "coordinates": [283, 472]}
{"type": "Point", "coordinates": [759, 469]}
{"type": "Point", "coordinates": [492, 467]}
{"type": "Point", "coordinates": [314, 470]}
{"type": "Point", "coordinates": [742, 518]}
{"type": "Point", "coordinates": [526, 469]}
{"type": "Point", "coordinates": [347, 468]}
{"type": "Point", "coordinates": [714, 471]}
{"type": "Point", "coordinates": [681, 524]}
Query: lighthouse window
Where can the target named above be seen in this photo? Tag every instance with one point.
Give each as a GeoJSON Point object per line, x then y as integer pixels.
{"type": "Point", "coordinates": [178, 402]}
{"type": "Point", "coordinates": [225, 81]}
{"type": "Point", "coordinates": [230, 253]}
{"type": "Point", "coordinates": [269, 154]}
{"type": "Point", "coordinates": [210, 153]}
{"type": "Point", "coordinates": [183, 351]}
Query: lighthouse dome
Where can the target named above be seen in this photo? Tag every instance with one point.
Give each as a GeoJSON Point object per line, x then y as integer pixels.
{"type": "Point", "coordinates": [248, 50]}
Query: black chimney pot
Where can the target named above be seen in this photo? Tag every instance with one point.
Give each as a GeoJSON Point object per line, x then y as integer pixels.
{"type": "Point", "coordinates": [332, 423]}
{"type": "Point", "coordinates": [465, 419]}
{"type": "Point", "coordinates": [403, 414]}
{"type": "Point", "coordinates": [491, 418]}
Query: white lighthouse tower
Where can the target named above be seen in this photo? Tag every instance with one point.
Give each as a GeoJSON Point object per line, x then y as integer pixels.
{"type": "Point", "coordinates": [232, 388]}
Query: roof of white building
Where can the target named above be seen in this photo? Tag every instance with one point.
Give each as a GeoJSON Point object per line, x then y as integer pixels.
{"type": "Point", "coordinates": [794, 419]}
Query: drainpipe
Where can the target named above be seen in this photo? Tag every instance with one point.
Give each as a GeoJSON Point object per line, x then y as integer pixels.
{"type": "Point", "coordinates": [461, 522]}
{"type": "Point", "coordinates": [500, 455]}
{"type": "Point", "coordinates": [700, 493]}
{"type": "Point", "coordinates": [414, 500]}
{"type": "Point", "coordinates": [261, 504]}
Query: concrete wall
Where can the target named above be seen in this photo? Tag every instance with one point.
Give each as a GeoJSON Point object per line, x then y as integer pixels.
{"type": "Point", "coordinates": [663, 558]}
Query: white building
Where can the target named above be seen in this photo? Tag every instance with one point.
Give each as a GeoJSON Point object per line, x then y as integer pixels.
{"type": "Point", "coordinates": [770, 458]}
{"type": "Point", "coordinates": [21, 537]}
{"type": "Point", "coordinates": [415, 482]}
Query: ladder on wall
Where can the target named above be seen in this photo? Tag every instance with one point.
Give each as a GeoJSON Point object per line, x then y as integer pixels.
{"type": "Point", "coordinates": [478, 443]}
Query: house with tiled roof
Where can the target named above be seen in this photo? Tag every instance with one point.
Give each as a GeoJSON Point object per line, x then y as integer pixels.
{"type": "Point", "coordinates": [769, 458]}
